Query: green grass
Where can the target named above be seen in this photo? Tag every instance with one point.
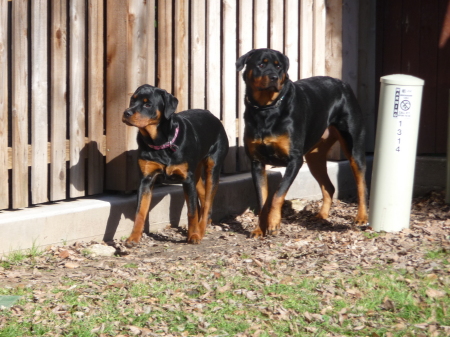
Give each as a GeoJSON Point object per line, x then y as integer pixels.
{"type": "Point", "coordinates": [365, 303]}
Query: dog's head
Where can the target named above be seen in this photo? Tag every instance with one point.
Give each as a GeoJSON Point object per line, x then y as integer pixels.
{"type": "Point", "coordinates": [148, 106]}
{"type": "Point", "coordinates": [266, 69]}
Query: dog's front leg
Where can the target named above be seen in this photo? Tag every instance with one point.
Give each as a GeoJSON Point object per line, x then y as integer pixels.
{"type": "Point", "coordinates": [150, 170]}
{"type": "Point", "coordinates": [274, 214]}
{"type": "Point", "coordinates": [190, 194]}
{"type": "Point", "coordinates": [144, 199]}
{"type": "Point", "coordinates": [259, 177]}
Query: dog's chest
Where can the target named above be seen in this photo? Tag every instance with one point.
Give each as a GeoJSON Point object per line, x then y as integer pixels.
{"type": "Point", "coordinates": [270, 149]}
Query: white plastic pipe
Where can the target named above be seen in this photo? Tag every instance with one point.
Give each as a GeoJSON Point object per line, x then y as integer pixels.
{"type": "Point", "coordinates": [395, 152]}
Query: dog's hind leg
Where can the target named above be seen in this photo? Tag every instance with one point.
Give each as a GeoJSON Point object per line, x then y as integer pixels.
{"type": "Point", "coordinates": [190, 194]}
{"type": "Point", "coordinates": [316, 159]}
{"type": "Point", "coordinates": [353, 147]}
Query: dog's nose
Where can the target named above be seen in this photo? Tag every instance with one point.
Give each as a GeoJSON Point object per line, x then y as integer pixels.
{"type": "Point", "coordinates": [128, 113]}
{"type": "Point", "coordinates": [273, 77]}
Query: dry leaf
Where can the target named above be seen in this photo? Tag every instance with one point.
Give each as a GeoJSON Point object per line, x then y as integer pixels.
{"type": "Point", "coordinates": [434, 293]}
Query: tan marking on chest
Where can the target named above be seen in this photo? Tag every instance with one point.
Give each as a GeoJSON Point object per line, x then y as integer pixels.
{"type": "Point", "coordinates": [180, 170]}
{"type": "Point", "coordinates": [149, 167]}
{"type": "Point", "coordinates": [281, 144]}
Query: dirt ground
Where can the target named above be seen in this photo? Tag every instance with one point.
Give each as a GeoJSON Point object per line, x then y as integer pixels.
{"type": "Point", "coordinates": [305, 243]}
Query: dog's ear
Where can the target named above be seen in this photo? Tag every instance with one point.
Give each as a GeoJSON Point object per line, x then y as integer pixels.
{"type": "Point", "coordinates": [170, 103]}
{"type": "Point", "coordinates": [286, 62]}
{"type": "Point", "coordinates": [242, 61]}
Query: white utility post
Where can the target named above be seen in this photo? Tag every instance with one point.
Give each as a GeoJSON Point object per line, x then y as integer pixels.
{"type": "Point", "coordinates": [395, 152]}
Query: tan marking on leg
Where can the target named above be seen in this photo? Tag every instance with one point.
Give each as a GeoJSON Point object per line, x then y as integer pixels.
{"type": "Point", "coordinates": [316, 159]}
{"type": "Point", "coordinates": [361, 217]}
{"type": "Point", "coordinates": [274, 216]}
{"type": "Point", "coordinates": [139, 221]}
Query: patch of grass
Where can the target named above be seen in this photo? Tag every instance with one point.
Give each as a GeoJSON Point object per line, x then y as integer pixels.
{"type": "Point", "coordinates": [130, 265]}
{"type": "Point", "coordinates": [363, 303]}
{"type": "Point", "coordinates": [438, 254]}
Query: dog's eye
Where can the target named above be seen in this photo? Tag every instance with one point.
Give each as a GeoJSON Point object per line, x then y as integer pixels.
{"type": "Point", "coordinates": [278, 66]}
{"type": "Point", "coordinates": [147, 105]}
{"type": "Point", "coordinates": [262, 65]}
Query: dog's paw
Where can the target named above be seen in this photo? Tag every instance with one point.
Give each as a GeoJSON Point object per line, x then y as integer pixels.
{"type": "Point", "coordinates": [257, 233]}
{"type": "Point", "coordinates": [361, 220]}
{"type": "Point", "coordinates": [132, 241]}
{"type": "Point", "coordinates": [194, 239]}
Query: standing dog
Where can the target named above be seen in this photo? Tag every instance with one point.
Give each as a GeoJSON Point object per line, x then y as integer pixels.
{"type": "Point", "coordinates": [286, 120]}
{"type": "Point", "coordinates": [181, 147]}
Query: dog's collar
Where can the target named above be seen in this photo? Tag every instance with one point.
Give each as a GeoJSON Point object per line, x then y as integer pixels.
{"type": "Point", "coordinates": [277, 104]}
{"type": "Point", "coordinates": [170, 144]}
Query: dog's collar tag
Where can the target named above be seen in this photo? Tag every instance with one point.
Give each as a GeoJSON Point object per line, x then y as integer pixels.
{"type": "Point", "coordinates": [170, 144]}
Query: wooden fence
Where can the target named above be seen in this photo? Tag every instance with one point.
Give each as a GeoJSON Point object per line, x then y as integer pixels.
{"type": "Point", "coordinates": [68, 68]}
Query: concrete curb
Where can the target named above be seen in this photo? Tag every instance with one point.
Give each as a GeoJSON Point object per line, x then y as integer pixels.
{"type": "Point", "coordinates": [105, 217]}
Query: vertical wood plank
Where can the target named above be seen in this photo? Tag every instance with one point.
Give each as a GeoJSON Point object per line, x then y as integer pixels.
{"type": "Point", "coordinates": [198, 57]}
{"type": "Point", "coordinates": [319, 14]}
{"type": "Point", "coordinates": [333, 39]}
{"type": "Point", "coordinates": [116, 96]}
{"type": "Point", "coordinates": [19, 103]}
{"type": "Point", "coordinates": [181, 73]}
{"type": "Point", "coordinates": [77, 108]}
{"type": "Point", "coordinates": [213, 57]}
{"type": "Point", "coordinates": [350, 42]}
{"type": "Point", "coordinates": [260, 29]}
{"type": "Point", "coordinates": [39, 101]}
{"type": "Point", "coordinates": [366, 68]}
{"type": "Point", "coordinates": [291, 33]}
{"type": "Point", "coordinates": [333, 55]}
{"type": "Point", "coordinates": [58, 102]}
{"type": "Point", "coordinates": [151, 42]}
{"type": "Point", "coordinates": [135, 72]}
{"type": "Point", "coordinates": [443, 85]}
{"type": "Point", "coordinates": [245, 45]}
{"type": "Point", "coordinates": [165, 45]}
{"type": "Point", "coordinates": [95, 96]}
{"type": "Point", "coordinates": [276, 19]}
{"type": "Point", "coordinates": [229, 80]}
{"type": "Point", "coordinates": [306, 38]}
{"type": "Point", "coordinates": [4, 104]}
{"type": "Point", "coordinates": [428, 54]}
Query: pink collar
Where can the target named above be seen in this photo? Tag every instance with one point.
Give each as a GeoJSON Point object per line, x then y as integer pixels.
{"type": "Point", "coordinates": [170, 143]}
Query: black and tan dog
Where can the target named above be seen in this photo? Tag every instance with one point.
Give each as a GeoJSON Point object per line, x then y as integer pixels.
{"type": "Point", "coordinates": [181, 146]}
{"type": "Point", "coordinates": [286, 120]}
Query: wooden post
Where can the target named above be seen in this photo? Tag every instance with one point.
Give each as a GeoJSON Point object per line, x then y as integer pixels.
{"type": "Point", "coordinates": [291, 32]}
{"type": "Point", "coordinates": [260, 29]}
{"type": "Point", "coordinates": [229, 80]}
{"type": "Point", "coordinates": [165, 45]}
{"type": "Point", "coordinates": [306, 38]}
{"type": "Point", "coordinates": [198, 57]}
{"type": "Point", "coordinates": [39, 101]}
{"type": "Point", "coordinates": [245, 45]}
{"type": "Point", "coordinates": [276, 18]}
{"type": "Point", "coordinates": [130, 41]}
{"type": "Point", "coordinates": [58, 103]}
{"type": "Point", "coordinates": [319, 14]}
{"type": "Point", "coordinates": [96, 56]}
{"type": "Point", "coordinates": [19, 103]}
{"type": "Point", "coordinates": [213, 57]}
{"type": "Point", "coordinates": [181, 75]}
{"type": "Point", "coordinates": [77, 108]}
{"type": "Point", "coordinates": [4, 105]}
